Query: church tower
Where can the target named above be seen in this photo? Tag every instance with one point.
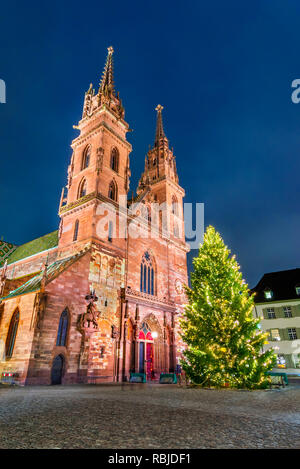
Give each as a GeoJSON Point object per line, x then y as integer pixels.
{"type": "Point", "coordinates": [160, 176]}
{"type": "Point", "coordinates": [99, 169]}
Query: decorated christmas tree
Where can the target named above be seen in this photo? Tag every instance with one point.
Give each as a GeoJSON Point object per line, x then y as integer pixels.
{"type": "Point", "coordinates": [224, 342]}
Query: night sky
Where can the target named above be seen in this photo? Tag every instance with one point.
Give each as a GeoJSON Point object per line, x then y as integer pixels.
{"type": "Point", "coordinates": [222, 71]}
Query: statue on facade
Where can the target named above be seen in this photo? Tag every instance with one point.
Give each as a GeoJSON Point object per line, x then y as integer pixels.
{"type": "Point", "coordinates": [90, 316]}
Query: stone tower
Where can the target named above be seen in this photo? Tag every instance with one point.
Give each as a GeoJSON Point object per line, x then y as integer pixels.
{"type": "Point", "coordinates": [99, 169]}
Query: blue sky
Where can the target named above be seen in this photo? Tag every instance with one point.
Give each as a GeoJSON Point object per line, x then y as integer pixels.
{"type": "Point", "coordinates": [222, 71]}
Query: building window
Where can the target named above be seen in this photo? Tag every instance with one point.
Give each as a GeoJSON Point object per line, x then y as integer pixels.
{"type": "Point", "coordinates": [292, 334]}
{"type": "Point", "coordinates": [112, 191]}
{"type": "Point", "coordinates": [271, 313]}
{"type": "Point", "coordinates": [281, 362]}
{"type": "Point", "coordinates": [114, 159]}
{"type": "Point", "coordinates": [287, 312]}
{"type": "Point", "coordinates": [12, 333]}
{"type": "Point", "coordinates": [176, 230]}
{"type": "Point", "coordinates": [86, 157]}
{"type": "Point", "coordinates": [62, 329]}
{"type": "Point", "coordinates": [297, 290]}
{"type": "Point", "coordinates": [268, 294]}
{"type": "Point", "coordinates": [296, 358]}
{"type": "Point", "coordinates": [110, 231]}
{"type": "Point", "coordinates": [147, 279]}
{"type": "Point", "coordinates": [76, 228]}
{"type": "Point", "coordinates": [174, 205]}
{"type": "Point", "coordinates": [274, 334]}
{"type": "Point", "coordinates": [82, 189]}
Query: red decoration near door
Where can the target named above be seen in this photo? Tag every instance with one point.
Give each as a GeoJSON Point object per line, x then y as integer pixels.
{"type": "Point", "coordinates": [149, 336]}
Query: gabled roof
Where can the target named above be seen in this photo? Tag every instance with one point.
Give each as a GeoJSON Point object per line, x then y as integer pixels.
{"type": "Point", "coordinates": [282, 284]}
{"type": "Point", "coordinates": [55, 269]}
{"type": "Point", "coordinates": [35, 246]}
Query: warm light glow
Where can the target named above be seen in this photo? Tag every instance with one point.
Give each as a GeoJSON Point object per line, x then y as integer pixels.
{"type": "Point", "coordinates": [154, 335]}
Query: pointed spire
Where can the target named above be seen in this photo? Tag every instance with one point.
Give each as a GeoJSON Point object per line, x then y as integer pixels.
{"type": "Point", "coordinates": [159, 126]}
{"type": "Point", "coordinates": [90, 90]}
{"type": "Point", "coordinates": [107, 81]}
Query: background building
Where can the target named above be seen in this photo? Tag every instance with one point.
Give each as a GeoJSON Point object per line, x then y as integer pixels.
{"type": "Point", "coordinates": [277, 303]}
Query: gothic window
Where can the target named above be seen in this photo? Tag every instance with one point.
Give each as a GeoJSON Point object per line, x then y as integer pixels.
{"type": "Point", "coordinates": [110, 231]}
{"type": "Point", "coordinates": [82, 189]}
{"type": "Point", "coordinates": [63, 329]}
{"type": "Point", "coordinates": [145, 332]}
{"type": "Point", "coordinates": [12, 333]}
{"type": "Point", "coordinates": [76, 228]}
{"type": "Point", "coordinates": [86, 157]}
{"type": "Point", "coordinates": [114, 159]}
{"type": "Point", "coordinates": [112, 191]}
{"type": "Point", "coordinates": [147, 279]}
{"type": "Point", "coordinates": [176, 230]}
{"type": "Point", "coordinates": [174, 205]}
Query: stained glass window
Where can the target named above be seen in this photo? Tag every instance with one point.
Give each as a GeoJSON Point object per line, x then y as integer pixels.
{"type": "Point", "coordinates": [12, 332]}
{"type": "Point", "coordinates": [147, 281]}
{"type": "Point", "coordinates": [62, 329]}
{"type": "Point", "coordinates": [145, 332]}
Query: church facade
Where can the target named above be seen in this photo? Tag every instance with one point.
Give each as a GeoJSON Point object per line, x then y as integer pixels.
{"type": "Point", "coordinates": [102, 296]}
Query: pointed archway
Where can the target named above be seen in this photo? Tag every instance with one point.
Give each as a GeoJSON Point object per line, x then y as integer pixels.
{"type": "Point", "coordinates": [57, 369]}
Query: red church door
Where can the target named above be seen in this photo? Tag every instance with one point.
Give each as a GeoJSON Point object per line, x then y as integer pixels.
{"type": "Point", "coordinates": [149, 359]}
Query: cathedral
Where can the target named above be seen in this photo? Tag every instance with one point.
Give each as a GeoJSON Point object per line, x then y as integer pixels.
{"type": "Point", "coordinates": [100, 299]}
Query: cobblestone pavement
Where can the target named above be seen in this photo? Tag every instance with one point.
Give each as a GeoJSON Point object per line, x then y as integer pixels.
{"type": "Point", "coordinates": [148, 416]}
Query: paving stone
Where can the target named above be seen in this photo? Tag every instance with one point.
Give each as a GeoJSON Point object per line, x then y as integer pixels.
{"type": "Point", "coordinates": [147, 416]}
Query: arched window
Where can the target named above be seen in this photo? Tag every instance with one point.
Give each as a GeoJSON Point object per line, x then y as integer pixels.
{"type": "Point", "coordinates": [110, 231]}
{"type": "Point", "coordinates": [12, 333]}
{"type": "Point", "coordinates": [174, 205]}
{"type": "Point", "coordinates": [76, 228]}
{"type": "Point", "coordinates": [145, 332]}
{"type": "Point", "coordinates": [86, 157]}
{"type": "Point", "coordinates": [176, 230]}
{"type": "Point", "coordinates": [147, 279]}
{"type": "Point", "coordinates": [82, 189]}
{"type": "Point", "coordinates": [62, 329]}
{"type": "Point", "coordinates": [112, 191]}
{"type": "Point", "coordinates": [114, 159]}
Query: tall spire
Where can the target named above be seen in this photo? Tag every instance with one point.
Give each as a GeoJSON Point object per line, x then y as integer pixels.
{"type": "Point", "coordinates": [107, 96]}
{"type": "Point", "coordinates": [159, 126]}
{"type": "Point", "coordinates": [107, 81]}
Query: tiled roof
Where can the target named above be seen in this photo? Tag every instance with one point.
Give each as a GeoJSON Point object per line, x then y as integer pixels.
{"type": "Point", "coordinates": [35, 246]}
{"type": "Point", "coordinates": [282, 284]}
{"type": "Point", "coordinates": [6, 249]}
{"type": "Point", "coordinates": [55, 269]}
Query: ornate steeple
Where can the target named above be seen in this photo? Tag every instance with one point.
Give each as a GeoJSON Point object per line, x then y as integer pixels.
{"type": "Point", "coordinates": [106, 85]}
{"type": "Point", "coordinates": [159, 135]}
{"type": "Point", "coordinates": [107, 95]}
{"type": "Point", "coordinates": [160, 160]}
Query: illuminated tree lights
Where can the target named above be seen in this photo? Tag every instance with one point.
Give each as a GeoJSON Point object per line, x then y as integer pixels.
{"type": "Point", "coordinates": [224, 342]}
